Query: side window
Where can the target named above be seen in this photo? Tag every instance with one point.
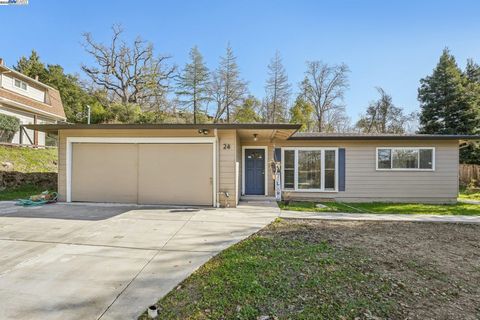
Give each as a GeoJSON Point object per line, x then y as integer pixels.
{"type": "Point", "coordinates": [405, 158]}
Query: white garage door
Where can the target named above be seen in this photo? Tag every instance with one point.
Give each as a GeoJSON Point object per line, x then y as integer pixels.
{"type": "Point", "coordinates": [143, 173]}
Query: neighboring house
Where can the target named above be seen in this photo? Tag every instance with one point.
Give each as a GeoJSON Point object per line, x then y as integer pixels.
{"type": "Point", "coordinates": [29, 100]}
{"type": "Point", "coordinates": [200, 164]}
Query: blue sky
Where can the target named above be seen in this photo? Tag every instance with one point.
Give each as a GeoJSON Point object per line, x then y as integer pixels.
{"type": "Point", "coordinates": [391, 44]}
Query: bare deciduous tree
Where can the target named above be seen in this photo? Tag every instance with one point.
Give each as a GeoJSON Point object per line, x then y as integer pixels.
{"type": "Point", "coordinates": [277, 91]}
{"type": "Point", "coordinates": [227, 89]}
{"type": "Point", "coordinates": [382, 116]}
{"type": "Point", "coordinates": [129, 73]}
{"type": "Point", "coordinates": [324, 87]}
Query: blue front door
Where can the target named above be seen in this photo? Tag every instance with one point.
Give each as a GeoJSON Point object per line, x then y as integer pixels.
{"type": "Point", "coordinates": [254, 171]}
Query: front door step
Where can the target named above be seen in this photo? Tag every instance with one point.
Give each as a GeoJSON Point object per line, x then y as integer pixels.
{"type": "Point", "coordinates": [253, 198]}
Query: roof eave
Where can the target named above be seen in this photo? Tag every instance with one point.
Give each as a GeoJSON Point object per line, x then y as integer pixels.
{"type": "Point", "coordinates": [226, 126]}
{"type": "Point", "coordinates": [397, 138]}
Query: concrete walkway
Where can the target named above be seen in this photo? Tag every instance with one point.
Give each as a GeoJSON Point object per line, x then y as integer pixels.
{"type": "Point", "coordinates": [468, 201]}
{"type": "Point", "coordinates": [379, 217]}
{"type": "Point", "coordinates": [66, 261]}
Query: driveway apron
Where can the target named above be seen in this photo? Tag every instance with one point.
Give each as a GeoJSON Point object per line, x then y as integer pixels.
{"type": "Point", "coordinates": [86, 261]}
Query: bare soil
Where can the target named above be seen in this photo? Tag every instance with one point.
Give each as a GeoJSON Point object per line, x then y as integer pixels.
{"type": "Point", "coordinates": [435, 267]}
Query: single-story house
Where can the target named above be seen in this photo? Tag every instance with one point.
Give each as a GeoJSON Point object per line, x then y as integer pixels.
{"type": "Point", "coordinates": [30, 101]}
{"type": "Point", "coordinates": [217, 164]}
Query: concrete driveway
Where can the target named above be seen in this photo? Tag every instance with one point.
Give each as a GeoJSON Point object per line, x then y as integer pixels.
{"type": "Point", "coordinates": [84, 261]}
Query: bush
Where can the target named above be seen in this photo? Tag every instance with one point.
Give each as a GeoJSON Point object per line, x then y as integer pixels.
{"type": "Point", "coordinates": [472, 187]}
{"type": "Point", "coordinates": [8, 127]}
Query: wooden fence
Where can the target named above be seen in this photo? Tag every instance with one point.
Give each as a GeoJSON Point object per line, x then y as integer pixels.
{"type": "Point", "coordinates": [469, 172]}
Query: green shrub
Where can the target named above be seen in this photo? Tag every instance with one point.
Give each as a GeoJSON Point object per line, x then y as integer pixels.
{"type": "Point", "coordinates": [8, 127]}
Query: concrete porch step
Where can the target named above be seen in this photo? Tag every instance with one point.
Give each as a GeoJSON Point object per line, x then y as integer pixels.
{"type": "Point", "coordinates": [265, 199]}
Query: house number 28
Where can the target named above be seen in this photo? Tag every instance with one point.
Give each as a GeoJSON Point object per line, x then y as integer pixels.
{"type": "Point", "coordinates": [226, 146]}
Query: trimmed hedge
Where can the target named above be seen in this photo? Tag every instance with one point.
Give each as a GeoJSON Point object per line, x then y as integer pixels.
{"type": "Point", "coordinates": [8, 127]}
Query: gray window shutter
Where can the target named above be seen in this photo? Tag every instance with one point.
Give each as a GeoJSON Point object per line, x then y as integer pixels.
{"type": "Point", "coordinates": [278, 154]}
{"type": "Point", "coordinates": [341, 169]}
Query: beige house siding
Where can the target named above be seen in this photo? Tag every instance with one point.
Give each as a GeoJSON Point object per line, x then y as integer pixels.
{"type": "Point", "coordinates": [364, 183]}
{"type": "Point", "coordinates": [225, 164]}
{"type": "Point", "coordinates": [227, 140]}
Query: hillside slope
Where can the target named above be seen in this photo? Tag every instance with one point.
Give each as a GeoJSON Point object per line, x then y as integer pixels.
{"type": "Point", "coordinates": [27, 160]}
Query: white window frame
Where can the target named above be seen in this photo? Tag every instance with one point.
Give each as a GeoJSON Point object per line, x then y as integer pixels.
{"type": "Point", "coordinates": [21, 82]}
{"type": "Point", "coordinates": [322, 187]}
{"type": "Point", "coordinates": [404, 169]}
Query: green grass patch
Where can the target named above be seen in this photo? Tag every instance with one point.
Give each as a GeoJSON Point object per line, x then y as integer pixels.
{"type": "Point", "coordinates": [284, 274]}
{"type": "Point", "coordinates": [29, 159]}
{"type": "Point", "coordinates": [420, 208]}
{"type": "Point", "coordinates": [386, 208]}
{"type": "Point", "coordinates": [309, 206]}
{"type": "Point", "coordinates": [468, 194]}
{"type": "Point", "coordinates": [23, 192]}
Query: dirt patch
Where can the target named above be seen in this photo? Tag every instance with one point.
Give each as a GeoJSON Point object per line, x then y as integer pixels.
{"type": "Point", "coordinates": [435, 267]}
{"type": "Point", "coordinates": [15, 179]}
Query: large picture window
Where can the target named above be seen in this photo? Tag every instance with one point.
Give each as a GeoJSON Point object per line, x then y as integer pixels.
{"type": "Point", "coordinates": [310, 169]}
{"type": "Point", "coordinates": [405, 158]}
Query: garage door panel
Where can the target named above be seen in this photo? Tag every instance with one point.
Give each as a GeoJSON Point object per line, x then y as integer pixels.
{"type": "Point", "coordinates": [175, 174]}
{"type": "Point", "coordinates": [104, 172]}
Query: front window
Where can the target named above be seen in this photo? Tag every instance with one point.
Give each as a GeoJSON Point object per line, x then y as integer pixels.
{"type": "Point", "coordinates": [405, 158]}
{"type": "Point", "coordinates": [312, 169]}
{"type": "Point", "coordinates": [330, 164]}
{"type": "Point", "coordinates": [309, 169]}
{"type": "Point", "coordinates": [289, 169]}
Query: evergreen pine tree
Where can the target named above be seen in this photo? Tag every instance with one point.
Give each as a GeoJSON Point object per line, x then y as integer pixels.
{"type": "Point", "coordinates": [193, 83]}
{"type": "Point", "coordinates": [450, 102]}
{"type": "Point", "coordinates": [440, 93]}
{"type": "Point", "coordinates": [32, 67]}
{"type": "Point", "coordinates": [472, 71]}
